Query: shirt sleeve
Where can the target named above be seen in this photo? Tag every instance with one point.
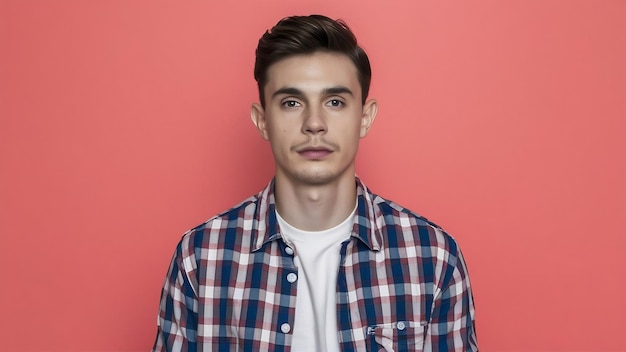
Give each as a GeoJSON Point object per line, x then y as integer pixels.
{"type": "Point", "coordinates": [178, 315]}
{"type": "Point", "coordinates": [452, 322]}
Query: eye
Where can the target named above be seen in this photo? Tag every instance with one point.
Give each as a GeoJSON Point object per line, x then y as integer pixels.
{"type": "Point", "coordinates": [290, 104]}
{"type": "Point", "coordinates": [336, 103]}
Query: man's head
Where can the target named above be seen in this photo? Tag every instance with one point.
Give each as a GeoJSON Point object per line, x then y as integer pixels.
{"type": "Point", "coordinates": [313, 81]}
{"type": "Point", "coordinates": [299, 35]}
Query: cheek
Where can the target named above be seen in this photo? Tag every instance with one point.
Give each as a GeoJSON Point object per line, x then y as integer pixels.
{"type": "Point", "coordinates": [277, 131]}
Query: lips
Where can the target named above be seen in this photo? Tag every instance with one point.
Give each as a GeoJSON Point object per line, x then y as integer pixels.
{"type": "Point", "coordinates": [314, 153]}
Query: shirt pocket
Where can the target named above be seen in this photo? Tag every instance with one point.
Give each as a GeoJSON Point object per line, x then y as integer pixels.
{"type": "Point", "coordinates": [397, 337]}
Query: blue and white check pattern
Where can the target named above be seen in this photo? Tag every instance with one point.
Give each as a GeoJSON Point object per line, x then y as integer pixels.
{"type": "Point", "coordinates": [402, 284]}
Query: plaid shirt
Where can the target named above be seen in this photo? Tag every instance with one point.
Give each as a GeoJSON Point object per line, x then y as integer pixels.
{"type": "Point", "coordinates": [402, 284]}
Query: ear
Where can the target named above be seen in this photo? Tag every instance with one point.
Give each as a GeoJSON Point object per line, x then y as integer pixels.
{"type": "Point", "coordinates": [370, 108]}
{"type": "Point", "coordinates": [257, 114]}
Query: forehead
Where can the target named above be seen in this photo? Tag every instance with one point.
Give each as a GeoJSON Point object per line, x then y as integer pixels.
{"type": "Point", "coordinates": [319, 70]}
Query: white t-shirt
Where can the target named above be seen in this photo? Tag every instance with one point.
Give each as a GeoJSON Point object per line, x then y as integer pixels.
{"type": "Point", "coordinates": [316, 255]}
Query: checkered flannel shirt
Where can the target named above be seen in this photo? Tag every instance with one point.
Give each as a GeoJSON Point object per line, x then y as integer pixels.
{"type": "Point", "coordinates": [402, 284]}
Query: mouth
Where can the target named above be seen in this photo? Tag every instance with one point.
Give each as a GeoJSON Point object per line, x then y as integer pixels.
{"type": "Point", "coordinates": [314, 153]}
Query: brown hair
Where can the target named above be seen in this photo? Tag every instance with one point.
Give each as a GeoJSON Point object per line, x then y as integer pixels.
{"type": "Point", "coordinates": [306, 35]}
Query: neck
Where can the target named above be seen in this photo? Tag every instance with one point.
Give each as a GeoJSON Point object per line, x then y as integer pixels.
{"type": "Point", "coordinates": [315, 207]}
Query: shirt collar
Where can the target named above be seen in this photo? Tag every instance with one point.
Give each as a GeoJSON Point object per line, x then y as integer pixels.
{"type": "Point", "coordinates": [367, 219]}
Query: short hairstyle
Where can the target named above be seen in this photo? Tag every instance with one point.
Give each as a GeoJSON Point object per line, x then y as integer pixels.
{"type": "Point", "coordinates": [306, 35]}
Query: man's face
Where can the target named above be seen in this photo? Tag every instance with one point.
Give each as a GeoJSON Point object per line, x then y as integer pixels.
{"type": "Point", "coordinates": [313, 117]}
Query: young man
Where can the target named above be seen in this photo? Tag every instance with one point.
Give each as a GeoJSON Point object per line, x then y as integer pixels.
{"type": "Point", "coordinates": [315, 261]}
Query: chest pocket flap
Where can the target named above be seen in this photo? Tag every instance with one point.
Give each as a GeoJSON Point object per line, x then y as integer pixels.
{"type": "Point", "coordinates": [398, 336]}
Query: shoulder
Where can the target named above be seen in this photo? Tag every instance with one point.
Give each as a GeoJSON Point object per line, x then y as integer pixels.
{"type": "Point", "coordinates": [220, 231]}
{"type": "Point", "coordinates": [402, 226]}
{"type": "Point", "coordinates": [416, 239]}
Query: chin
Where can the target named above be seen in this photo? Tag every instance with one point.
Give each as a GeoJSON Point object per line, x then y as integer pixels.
{"type": "Point", "coordinates": [314, 178]}
{"type": "Point", "coordinates": [315, 175]}
{"type": "Point", "coordinates": [318, 177]}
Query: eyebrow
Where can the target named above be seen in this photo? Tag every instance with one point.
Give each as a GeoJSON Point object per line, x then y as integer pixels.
{"type": "Point", "coordinates": [326, 91]}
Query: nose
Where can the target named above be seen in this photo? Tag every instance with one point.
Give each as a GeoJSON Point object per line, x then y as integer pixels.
{"type": "Point", "coordinates": [314, 122]}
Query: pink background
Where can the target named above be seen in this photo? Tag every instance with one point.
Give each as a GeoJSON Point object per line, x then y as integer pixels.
{"type": "Point", "coordinates": [124, 123]}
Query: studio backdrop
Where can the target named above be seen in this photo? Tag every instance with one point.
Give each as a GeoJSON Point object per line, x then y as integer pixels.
{"type": "Point", "coordinates": [125, 123]}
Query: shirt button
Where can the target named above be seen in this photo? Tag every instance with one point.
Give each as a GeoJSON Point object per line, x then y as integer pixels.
{"type": "Point", "coordinates": [291, 277]}
{"type": "Point", "coordinates": [401, 326]}
{"type": "Point", "coordinates": [285, 328]}
{"type": "Point", "coordinates": [288, 250]}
